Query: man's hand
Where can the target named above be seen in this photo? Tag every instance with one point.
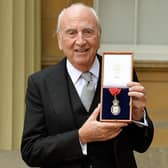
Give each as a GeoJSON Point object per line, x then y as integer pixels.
{"type": "Point", "coordinates": [93, 130]}
{"type": "Point", "coordinates": [138, 93]}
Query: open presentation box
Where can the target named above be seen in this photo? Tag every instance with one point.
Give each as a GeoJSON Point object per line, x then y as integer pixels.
{"type": "Point", "coordinates": [117, 69]}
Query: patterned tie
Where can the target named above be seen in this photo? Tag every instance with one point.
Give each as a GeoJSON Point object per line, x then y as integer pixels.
{"type": "Point", "coordinates": [88, 90]}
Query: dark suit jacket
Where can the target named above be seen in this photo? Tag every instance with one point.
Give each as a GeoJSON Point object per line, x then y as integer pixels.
{"type": "Point", "coordinates": [54, 113]}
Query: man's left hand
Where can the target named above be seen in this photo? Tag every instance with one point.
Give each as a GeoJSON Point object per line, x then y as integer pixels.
{"type": "Point", "coordinates": [138, 94]}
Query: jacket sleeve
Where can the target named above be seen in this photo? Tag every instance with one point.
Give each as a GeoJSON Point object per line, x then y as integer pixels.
{"type": "Point", "coordinates": [37, 145]}
{"type": "Point", "coordinates": [141, 137]}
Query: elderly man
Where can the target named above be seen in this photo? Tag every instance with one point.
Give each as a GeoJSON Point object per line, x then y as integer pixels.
{"type": "Point", "coordinates": [61, 132]}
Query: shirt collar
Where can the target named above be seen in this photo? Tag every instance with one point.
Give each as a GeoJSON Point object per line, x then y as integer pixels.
{"type": "Point", "coordinates": [75, 73]}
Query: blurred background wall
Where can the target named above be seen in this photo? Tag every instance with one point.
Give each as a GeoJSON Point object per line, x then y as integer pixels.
{"type": "Point", "coordinates": [20, 55]}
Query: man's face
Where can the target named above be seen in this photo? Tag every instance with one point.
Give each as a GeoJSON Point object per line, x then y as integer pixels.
{"type": "Point", "coordinates": [79, 37]}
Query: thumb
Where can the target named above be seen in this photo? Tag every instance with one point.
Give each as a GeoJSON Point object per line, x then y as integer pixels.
{"type": "Point", "coordinates": [95, 113]}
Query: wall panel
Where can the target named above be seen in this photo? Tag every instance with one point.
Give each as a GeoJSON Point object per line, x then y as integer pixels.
{"type": "Point", "coordinates": [19, 57]}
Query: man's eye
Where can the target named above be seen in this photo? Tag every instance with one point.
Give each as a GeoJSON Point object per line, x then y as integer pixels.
{"type": "Point", "coordinates": [71, 33]}
{"type": "Point", "coordinates": [88, 32]}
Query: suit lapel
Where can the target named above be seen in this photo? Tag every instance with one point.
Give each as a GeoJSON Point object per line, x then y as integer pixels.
{"type": "Point", "coordinates": [58, 91]}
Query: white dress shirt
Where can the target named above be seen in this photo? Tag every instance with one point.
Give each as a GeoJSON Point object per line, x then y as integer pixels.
{"type": "Point", "coordinates": [75, 75]}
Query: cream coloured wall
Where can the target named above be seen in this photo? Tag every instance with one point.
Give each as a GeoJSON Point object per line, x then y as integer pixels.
{"type": "Point", "coordinates": [131, 26]}
{"type": "Point", "coordinates": [19, 56]}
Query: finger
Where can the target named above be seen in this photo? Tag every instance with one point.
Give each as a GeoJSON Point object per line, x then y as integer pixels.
{"type": "Point", "coordinates": [130, 84]}
{"type": "Point", "coordinates": [137, 91]}
{"type": "Point", "coordinates": [136, 94]}
{"type": "Point", "coordinates": [138, 88]}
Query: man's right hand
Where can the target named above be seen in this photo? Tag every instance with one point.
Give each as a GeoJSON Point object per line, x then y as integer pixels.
{"type": "Point", "coordinates": [93, 130]}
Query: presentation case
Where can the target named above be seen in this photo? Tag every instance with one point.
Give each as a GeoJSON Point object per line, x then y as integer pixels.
{"type": "Point", "coordinates": [117, 70]}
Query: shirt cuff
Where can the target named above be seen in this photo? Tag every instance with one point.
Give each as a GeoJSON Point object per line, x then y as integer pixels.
{"type": "Point", "coordinates": [143, 123]}
{"type": "Point", "coordinates": [84, 148]}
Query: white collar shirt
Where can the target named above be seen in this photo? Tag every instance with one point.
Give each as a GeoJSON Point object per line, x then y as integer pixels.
{"type": "Point", "coordinates": [75, 75]}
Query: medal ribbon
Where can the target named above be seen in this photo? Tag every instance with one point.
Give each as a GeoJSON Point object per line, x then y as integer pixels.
{"type": "Point", "coordinates": [114, 91]}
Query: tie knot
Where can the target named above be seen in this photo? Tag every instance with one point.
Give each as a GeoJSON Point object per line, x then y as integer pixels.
{"type": "Point", "coordinates": [87, 76]}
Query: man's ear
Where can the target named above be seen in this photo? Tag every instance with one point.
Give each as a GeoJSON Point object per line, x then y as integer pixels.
{"type": "Point", "coordinates": [59, 38]}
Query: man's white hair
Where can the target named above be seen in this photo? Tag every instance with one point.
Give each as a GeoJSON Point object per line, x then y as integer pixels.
{"type": "Point", "coordinates": [77, 4]}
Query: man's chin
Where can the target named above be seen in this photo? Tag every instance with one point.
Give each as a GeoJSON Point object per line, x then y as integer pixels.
{"type": "Point", "coordinates": [82, 58]}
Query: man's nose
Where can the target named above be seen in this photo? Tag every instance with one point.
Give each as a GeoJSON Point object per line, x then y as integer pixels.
{"type": "Point", "coordinates": [80, 40]}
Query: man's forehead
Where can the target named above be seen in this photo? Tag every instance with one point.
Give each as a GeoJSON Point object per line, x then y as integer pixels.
{"type": "Point", "coordinates": [78, 15]}
{"type": "Point", "coordinates": [79, 26]}
{"type": "Point", "coordinates": [73, 28]}
{"type": "Point", "coordinates": [77, 12]}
